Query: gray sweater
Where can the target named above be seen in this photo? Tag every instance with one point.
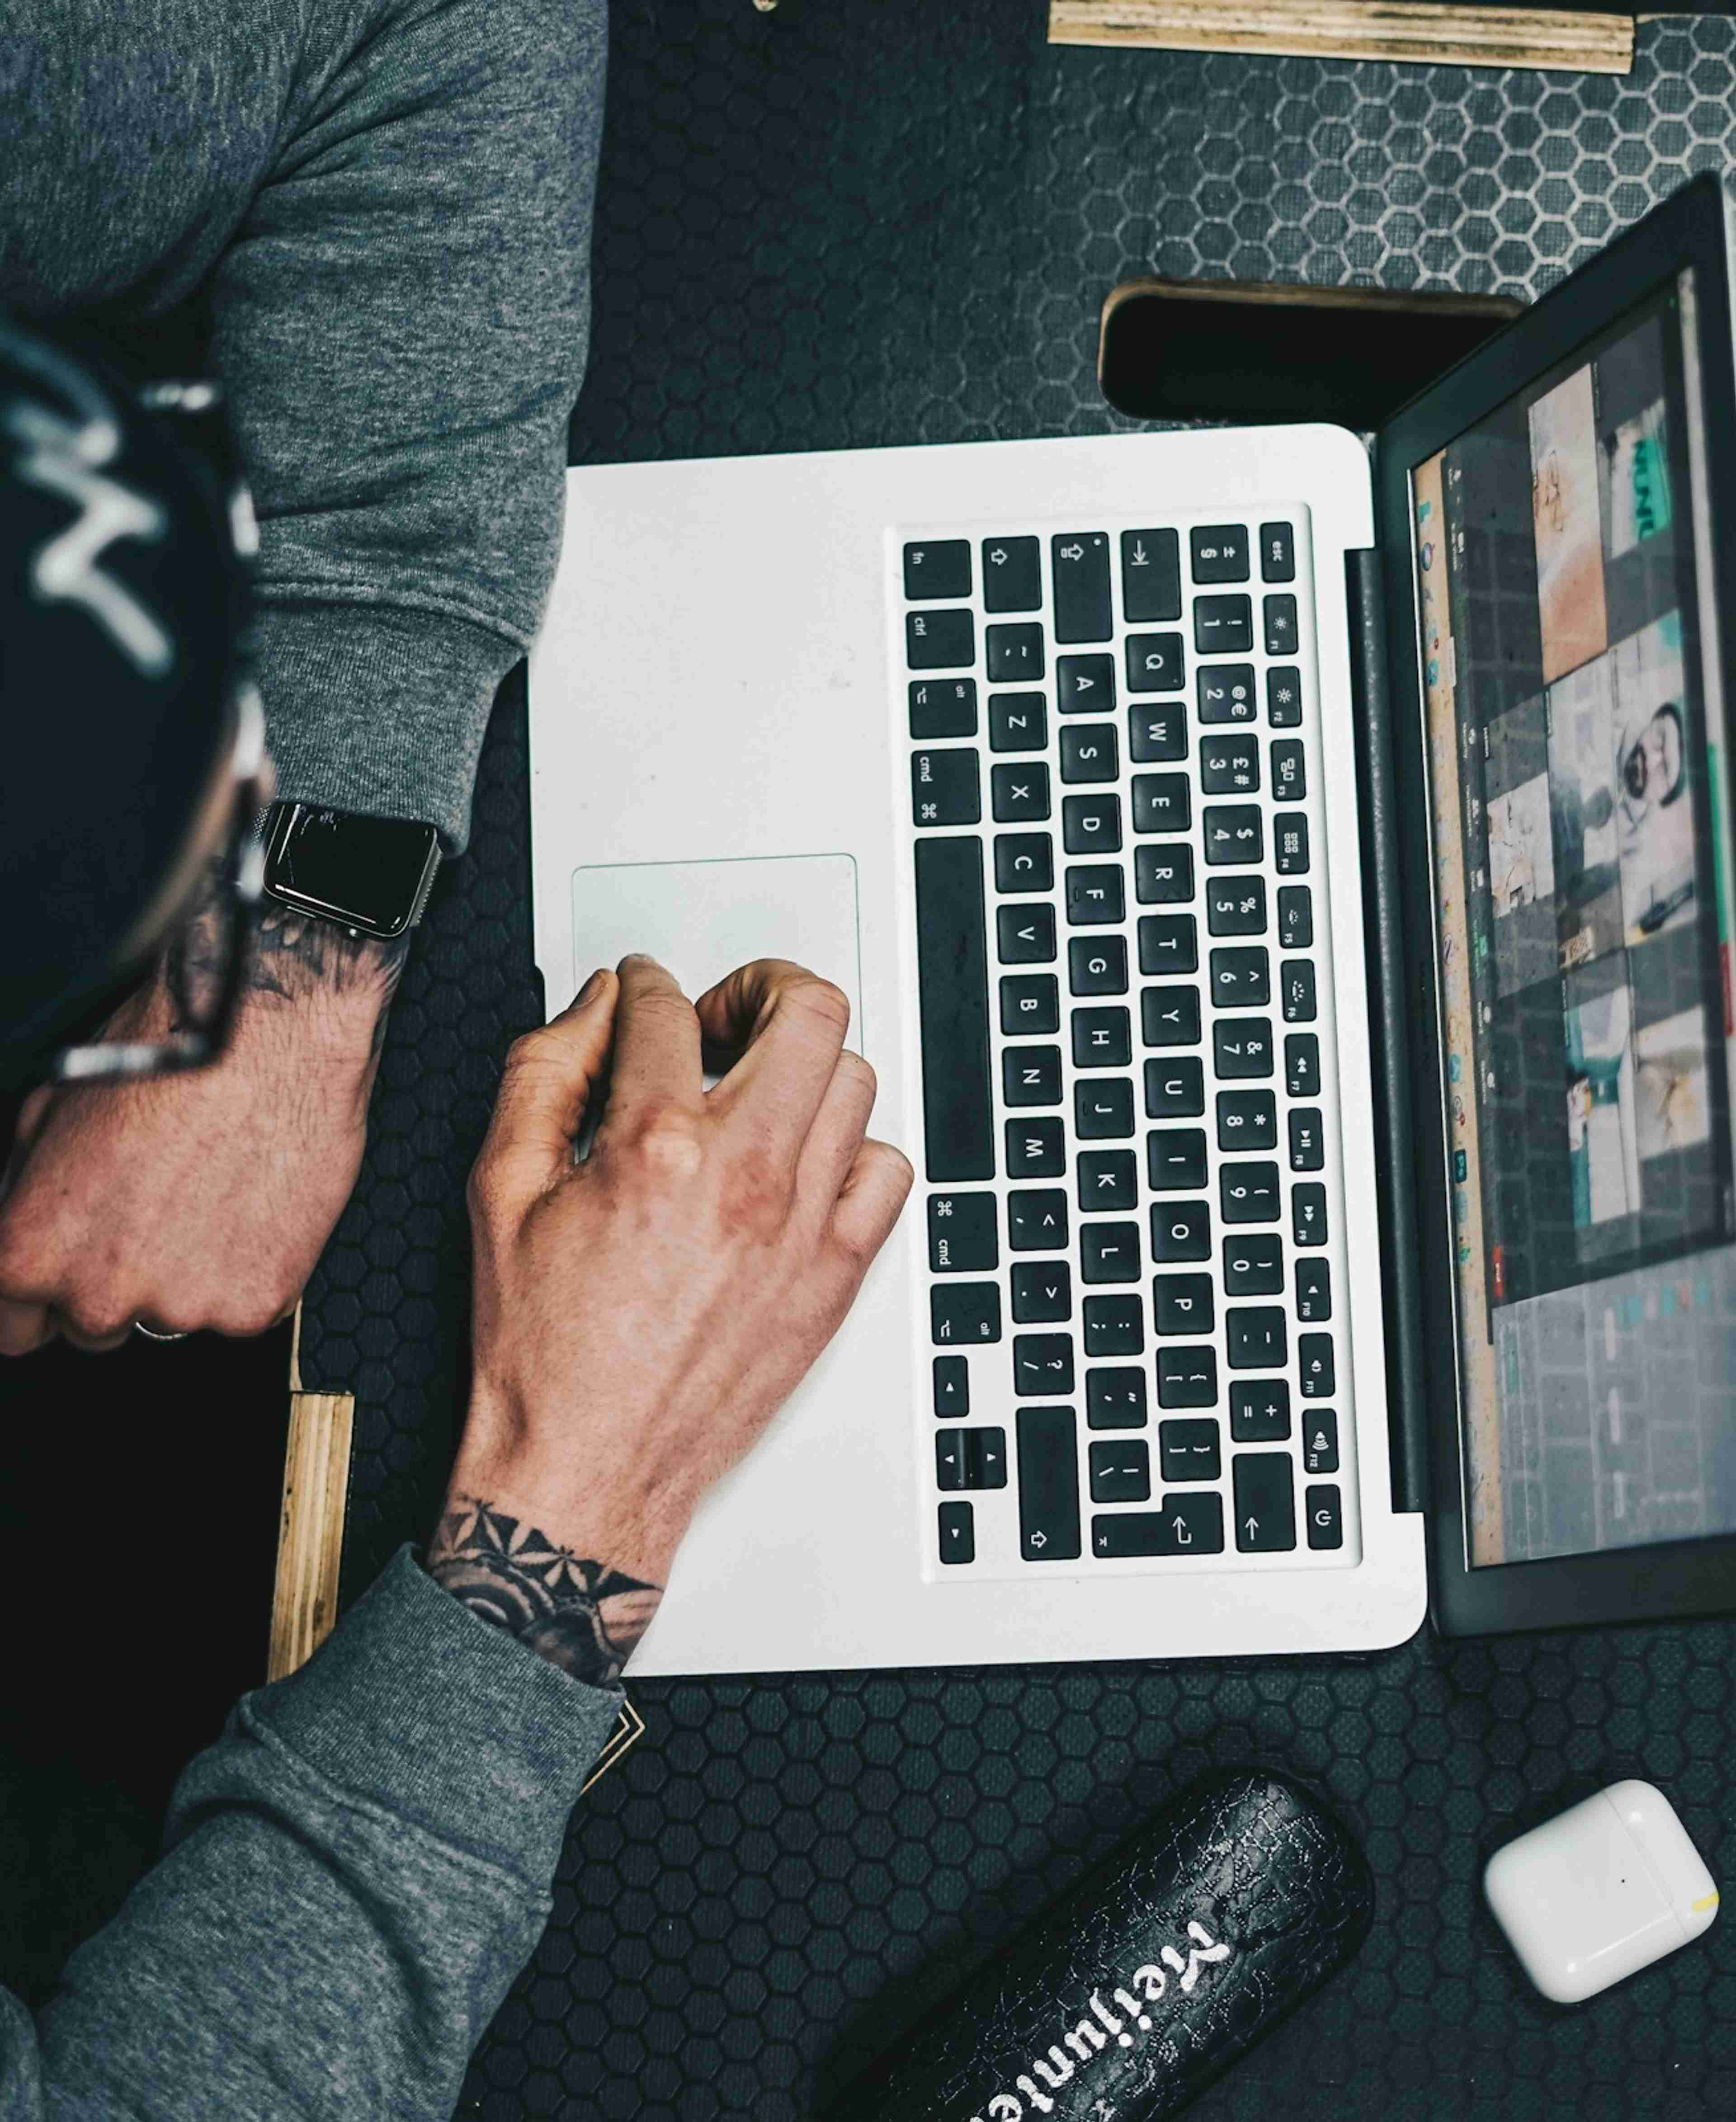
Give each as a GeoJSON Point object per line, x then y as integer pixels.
{"type": "Point", "coordinates": [385, 204]}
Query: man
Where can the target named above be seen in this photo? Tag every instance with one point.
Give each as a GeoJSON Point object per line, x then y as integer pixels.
{"type": "Point", "coordinates": [387, 204]}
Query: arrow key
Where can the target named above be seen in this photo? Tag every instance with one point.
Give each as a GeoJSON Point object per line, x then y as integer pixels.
{"type": "Point", "coordinates": [1265, 1503]}
{"type": "Point", "coordinates": [957, 1533]}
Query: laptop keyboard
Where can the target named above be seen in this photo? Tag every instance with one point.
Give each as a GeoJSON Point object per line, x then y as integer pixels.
{"type": "Point", "coordinates": [1132, 1158]}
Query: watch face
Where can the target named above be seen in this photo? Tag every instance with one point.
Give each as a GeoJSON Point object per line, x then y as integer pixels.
{"type": "Point", "coordinates": [368, 872]}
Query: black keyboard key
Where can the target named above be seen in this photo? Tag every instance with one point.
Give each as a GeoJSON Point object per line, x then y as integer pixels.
{"type": "Point", "coordinates": [1253, 1264]}
{"type": "Point", "coordinates": [1037, 1218]}
{"type": "Point", "coordinates": [1013, 575]}
{"type": "Point", "coordinates": [1219, 553]}
{"type": "Point", "coordinates": [1163, 874]}
{"type": "Point", "coordinates": [1103, 1038]}
{"type": "Point", "coordinates": [1097, 965]}
{"type": "Point", "coordinates": [957, 1533]}
{"type": "Point", "coordinates": [1175, 1160]}
{"type": "Point", "coordinates": [1314, 1366]}
{"type": "Point", "coordinates": [1181, 1304]}
{"type": "Point", "coordinates": [1120, 1473]}
{"type": "Point", "coordinates": [1289, 777]}
{"type": "Point", "coordinates": [1296, 990]}
{"type": "Point", "coordinates": [1168, 943]}
{"type": "Point", "coordinates": [942, 707]}
{"type": "Point", "coordinates": [1175, 1087]}
{"type": "Point", "coordinates": [1161, 802]}
{"type": "Point", "coordinates": [952, 988]}
{"type": "Point", "coordinates": [1308, 1214]}
{"type": "Point", "coordinates": [961, 1233]}
{"type": "Point", "coordinates": [1277, 552]}
{"type": "Point", "coordinates": [1157, 732]}
{"type": "Point", "coordinates": [951, 1386]}
{"type": "Point", "coordinates": [941, 569]}
{"type": "Point", "coordinates": [1180, 1231]}
{"type": "Point", "coordinates": [1048, 1484]}
{"type": "Point", "coordinates": [1242, 1046]}
{"type": "Point", "coordinates": [1015, 654]}
{"type": "Point", "coordinates": [1107, 1180]}
{"type": "Point", "coordinates": [1187, 1449]}
{"type": "Point", "coordinates": [1031, 1075]}
{"type": "Point", "coordinates": [1247, 1119]}
{"type": "Point", "coordinates": [1042, 1292]}
{"type": "Point", "coordinates": [1225, 692]}
{"type": "Point", "coordinates": [1320, 1441]}
{"type": "Point", "coordinates": [1301, 1065]}
{"type": "Point", "coordinates": [1265, 1502]}
{"type": "Point", "coordinates": [1254, 1338]}
{"type": "Point", "coordinates": [1080, 564]}
{"type": "Point", "coordinates": [1036, 1149]}
{"type": "Point", "coordinates": [1170, 1016]}
{"type": "Point", "coordinates": [1284, 696]}
{"type": "Point", "coordinates": [1096, 895]}
{"type": "Point", "coordinates": [1295, 917]}
{"type": "Point", "coordinates": [1090, 825]}
{"type": "Point", "coordinates": [1114, 1398]}
{"type": "Point", "coordinates": [1290, 846]}
{"type": "Point", "coordinates": [1085, 685]}
{"type": "Point", "coordinates": [1151, 575]}
{"type": "Point", "coordinates": [945, 789]}
{"type": "Point", "coordinates": [1019, 792]}
{"type": "Point", "coordinates": [1018, 722]}
{"type": "Point", "coordinates": [1249, 1193]}
{"type": "Point", "coordinates": [1102, 1111]}
{"type": "Point", "coordinates": [1325, 1512]}
{"type": "Point", "coordinates": [1223, 625]}
{"type": "Point", "coordinates": [1283, 634]}
{"type": "Point", "coordinates": [1259, 1411]}
{"type": "Point", "coordinates": [1314, 1291]}
{"type": "Point", "coordinates": [1114, 1326]}
{"type": "Point", "coordinates": [1109, 1252]}
{"type": "Point", "coordinates": [1030, 1004]}
{"type": "Point", "coordinates": [1090, 751]}
{"type": "Point", "coordinates": [1234, 834]}
{"type": "Point", "coordinates": [985, 1458]}
{"type": "Point", "coordinates": [1023, 935]}
{"type": "Point", "coordinates": [1241, 977]}
{"type": "Point", "coordinates": [1042, 1365]}
{"type": "Point", "coordinates": [1187, 1378]}
{"type": "Point", "coordinates": [967, 1312]}
{"type": "Point", "coordinates": [949, 1459]}
{"type": "Point", "coordinates": [1155, 663]}
{"type": "Point", "coordinates": [1024, 862]}
{"type": "Point", "coordinates": [1229, 764]}
{"type": "Point", "coordinates": [940, 640]}
{"type": "Point", "coordinates": [1190, 1523]}
{"type": "Point", "coordinates": [1236, 906]}
{"type": "Point", "coordinates": [1307, 1139]}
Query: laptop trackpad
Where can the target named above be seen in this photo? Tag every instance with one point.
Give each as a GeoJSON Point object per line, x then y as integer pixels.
{"type": "Point", "coordinates": [702, 919]}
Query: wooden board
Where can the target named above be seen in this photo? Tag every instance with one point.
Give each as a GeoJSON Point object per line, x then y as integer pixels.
{"type": "Point", "coordinates": [1432, 35]}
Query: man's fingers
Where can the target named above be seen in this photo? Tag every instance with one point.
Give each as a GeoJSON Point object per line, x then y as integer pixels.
{"type": "Point", "coordinates": [23, 1327]}
{"type": "Point", "coordinates": [879, 1181]}
{"type": "Point", "coordinates": [657, 1042]}
{"type": "Point", "coordinates": [550, 1078]}
{"type": "Point", "coordinates": [789, 1026]}
{"type": "Point", "coordinates": [836, 1138]}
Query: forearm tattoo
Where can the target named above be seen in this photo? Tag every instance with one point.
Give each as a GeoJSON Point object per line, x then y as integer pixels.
{"type": "Point", "coordinates": [581, 1615]}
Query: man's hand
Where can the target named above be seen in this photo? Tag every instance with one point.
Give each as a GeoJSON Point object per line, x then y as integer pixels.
{"type": "Point", "coordinates": [200, 1200]}
{"type": "Point", "coordinates": [640, 1318]}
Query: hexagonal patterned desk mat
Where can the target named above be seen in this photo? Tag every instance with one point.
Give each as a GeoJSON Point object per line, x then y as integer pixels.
{"type": "Point", "coordinates": [888, 221]}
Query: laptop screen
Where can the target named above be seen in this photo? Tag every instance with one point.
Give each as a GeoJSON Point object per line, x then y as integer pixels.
{"type": "Point", "coordinates": [1579, 793]}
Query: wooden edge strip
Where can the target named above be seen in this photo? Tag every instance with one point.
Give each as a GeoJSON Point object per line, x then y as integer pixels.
{"type": "Point", "coordinates": [1405, 31]}
{"type": "Point", "coordinates": [311, 1528]}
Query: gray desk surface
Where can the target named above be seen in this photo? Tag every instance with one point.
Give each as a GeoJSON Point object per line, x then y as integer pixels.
{"type": "Point", "coordinates": [886, 222]}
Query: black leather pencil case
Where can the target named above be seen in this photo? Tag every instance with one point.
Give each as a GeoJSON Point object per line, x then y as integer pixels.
{"type": "Point", "coordinates": [1148, 1978]}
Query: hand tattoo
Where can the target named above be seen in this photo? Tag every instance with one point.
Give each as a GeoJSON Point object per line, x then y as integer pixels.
{"type": "Point", "coordinates": [581, 1615]}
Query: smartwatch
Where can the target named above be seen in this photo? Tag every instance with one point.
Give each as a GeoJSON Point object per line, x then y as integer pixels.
{"type": "Point", "coordinates": [370, 876]}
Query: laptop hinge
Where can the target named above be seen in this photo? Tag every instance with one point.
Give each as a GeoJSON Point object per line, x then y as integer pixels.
{"type": "Point", "coordinates": [1383, 926]}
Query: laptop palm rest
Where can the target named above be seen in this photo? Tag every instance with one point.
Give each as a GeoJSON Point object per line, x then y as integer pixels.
{"type": "Point", "coordinates": [702, 919]}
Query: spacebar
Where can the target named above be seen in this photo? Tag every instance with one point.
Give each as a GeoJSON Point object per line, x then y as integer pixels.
{"type": "Point", "coordinates": [952, 977]}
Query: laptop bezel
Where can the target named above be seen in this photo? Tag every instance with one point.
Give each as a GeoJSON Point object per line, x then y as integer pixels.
{"type": "Point", "coordinates": [1679, 1578]}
